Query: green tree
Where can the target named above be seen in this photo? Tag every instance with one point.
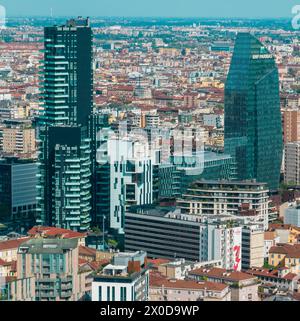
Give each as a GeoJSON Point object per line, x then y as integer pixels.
{"type": "Point", "coordinates": [112, 243]}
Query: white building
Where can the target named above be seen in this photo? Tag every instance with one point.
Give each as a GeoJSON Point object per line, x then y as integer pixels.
{"type": "Point", "coordinates": [225, 243]}
{"type": "Point", "coordinates": [126, 279]}
{"type": "Point", "coordinates": [128, 164]}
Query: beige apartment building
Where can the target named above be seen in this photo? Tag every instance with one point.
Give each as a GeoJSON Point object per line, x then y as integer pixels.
{"type": "Point", "coordinates": [243, 286]}
{"type": "Point", "coordinates": [18, 137]}
{"type": "Point", "coordinates": [54, 265]}
{"type": "Point", "coordinates": [252, 246]}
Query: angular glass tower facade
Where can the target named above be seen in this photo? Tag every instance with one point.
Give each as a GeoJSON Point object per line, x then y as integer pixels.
{"type": "Point", "coordinates": [64, 188]}
{"type": "Point", "coordinates": [253, 132]}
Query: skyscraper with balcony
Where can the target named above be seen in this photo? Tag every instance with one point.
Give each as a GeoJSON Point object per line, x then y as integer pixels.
{"type": "Point", "coordinates": [253, 132]}
{"type": "Point", "coordinates": [64, 186]}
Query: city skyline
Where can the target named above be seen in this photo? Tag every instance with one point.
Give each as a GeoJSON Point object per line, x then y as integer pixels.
{"type": "Point", "coordinates": [135, 8]}
{"type": "Point", "coordinates": [141, 159]}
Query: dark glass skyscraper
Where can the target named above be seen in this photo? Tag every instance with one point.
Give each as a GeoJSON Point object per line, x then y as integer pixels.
{"type": "Point", "coordinates": [253, 132]}
{"type": "Point", "coordinates": [64, 161]}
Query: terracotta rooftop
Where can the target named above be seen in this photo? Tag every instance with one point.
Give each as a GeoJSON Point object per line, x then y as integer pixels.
{"type": "Point", "coordinates": [54, 232]}
{"type": "Point", "coordinates": [87, 251]}
{"type": "Point", "coordinates": [270, 273]}
{"type": "Point", "coordinates": [12, 244]}
{"type": "Point", "coordinates": [157, 280]}
{"type": "Point", "coordinates": [277, 226]}
{"type": "Point", "coordinates": [233, 276]}
{"type": "Point", "coordinates": [289, 250]}
{"type": "Point", "coordinates": [95, 265]}
{"type": "Point", "coordinates": [156, 262]}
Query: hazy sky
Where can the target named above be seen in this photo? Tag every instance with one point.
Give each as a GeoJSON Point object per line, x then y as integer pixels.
{"type": "Point", "coordinates": [174, 8]}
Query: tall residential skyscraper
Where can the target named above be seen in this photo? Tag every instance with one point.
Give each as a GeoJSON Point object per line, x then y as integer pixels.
{"type": "Point", "coordinates": [253, 132]}
{"type": "Point", "coordinates": [64, 160]}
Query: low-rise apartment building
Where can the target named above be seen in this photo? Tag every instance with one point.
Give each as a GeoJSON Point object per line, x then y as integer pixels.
{"type": "Point", "coordinates": [126, 279]}
{"type": "Point", "coordinates": [286, 256]}
{"type": "Point", "coordinates": [244, 287]}
{"type": "Point", "coordinates": [164, 289]}
{"type": "Point", "coordinates": [270, 239]}
{"type": "Point", "coordinates": [281, 278]}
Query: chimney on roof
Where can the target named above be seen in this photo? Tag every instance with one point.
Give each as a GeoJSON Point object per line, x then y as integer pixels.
{"type": "Point", "coordinates": [134, 266]}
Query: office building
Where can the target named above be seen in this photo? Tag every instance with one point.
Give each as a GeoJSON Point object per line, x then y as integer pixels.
{"type": "Point", "coordinates": [176, 177]}
{"type": "Point", "coordinates": [64, 186]}
{"type": "Point", "coordinates": [17, 193]}
{"type": "Point", "coordinates": [164, 232]}
{"type": "Point", "coordinates": [126, 279]}
{"type": "Point", "coordinates": [253, 130]}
